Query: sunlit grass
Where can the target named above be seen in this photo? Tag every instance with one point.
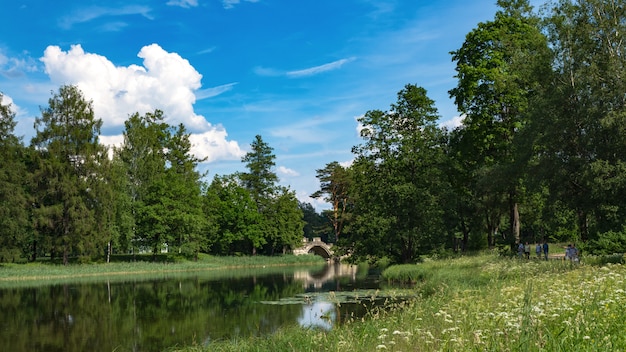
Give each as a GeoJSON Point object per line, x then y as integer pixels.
{"type": "Point", "coordinates": [12, 275]}
{"type": "Point", "coordinates": [481, 303]}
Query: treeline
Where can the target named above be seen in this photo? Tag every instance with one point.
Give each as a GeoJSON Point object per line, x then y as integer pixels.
{"type": "Point", "coordinates": [68, 196]}
{"type": "Point", "coordinates": [540, 154]}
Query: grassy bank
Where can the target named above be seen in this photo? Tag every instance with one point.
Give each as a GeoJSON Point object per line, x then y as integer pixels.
{"type": "Point", "coordinates": [481, 303]}
{"type": "Point", "coordinates": [45, 272]}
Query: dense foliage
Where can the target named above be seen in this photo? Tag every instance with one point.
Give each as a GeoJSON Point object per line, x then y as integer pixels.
{"type": "Point", "coordinates": [540, 155]}
{"type": "Point", "coordinates": [67, 196]}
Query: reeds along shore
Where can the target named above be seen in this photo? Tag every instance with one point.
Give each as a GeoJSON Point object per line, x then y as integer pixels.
{"type": "Point", "coordinates": [480, 303]}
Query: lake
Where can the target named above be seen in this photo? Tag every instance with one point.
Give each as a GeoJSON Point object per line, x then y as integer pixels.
{"type": "Point", "coordinates": [140, 314]}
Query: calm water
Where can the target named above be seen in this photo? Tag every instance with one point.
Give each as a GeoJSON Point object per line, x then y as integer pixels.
{"type": "Point", "coordinates": [151, 315]}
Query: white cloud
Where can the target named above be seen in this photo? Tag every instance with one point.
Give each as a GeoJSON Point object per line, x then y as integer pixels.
{"type": "Point", "coordinates": [113, 26]}
{"type": "Point", "coordinates": [453, 122]}
{"type": "Point", "coordinates": [6, 100]}
{"type": "Point", "coordinates": [347, 164]}
{"type": "Point", "coordinates": [285, 171]}
{"type": "Point", "coordinates": [94, 12]}
{"type": "Point", "coordinates": [113, 141]}
{"type": "Point", "coordinates": [359, 126]}
{"type": "Point", "coordinates": [16, 66]}
{"type": "Point", "coordinates": [183, 3]}
{"type": "Point", "coordinates": [319, 69]}
{"type": "Point", "coordinates": [229, 4]}
{"type": "Point", "coordinates": [206, 51]}
{"type": "Point", "coordinates": [264, 71]}
{"type": "Point", "coordinates": [214, 91]}
{"type": "Point", "coordinates": [311, 71]}
{"type": "Point", "coordinates": [166, 81]}
{"type": "Point", "coordinates": [213, 146]}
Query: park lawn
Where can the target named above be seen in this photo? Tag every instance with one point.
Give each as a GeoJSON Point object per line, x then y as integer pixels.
{"type": "Point", "coordinates": [41, 273]}
{"type": "Point", "coordinates": [479, 303]}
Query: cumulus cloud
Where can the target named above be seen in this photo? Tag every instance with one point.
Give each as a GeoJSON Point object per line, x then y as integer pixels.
{"type": "Point", "coordinates": [453, 122]}
{"type": "Point", "coordinates": [285, 171]}
{"type": "Point", "coordinates": [183, 3]}
{"type": "Point", "coordinates": [213, 146]}
{"type": "Point", "coordinates": [165, 81]}
{"type": "Point", "coordinates": [6, 100]}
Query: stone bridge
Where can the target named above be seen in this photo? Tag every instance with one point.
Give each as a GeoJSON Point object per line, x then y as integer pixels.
{"type": "Point", "coordinates": [316, 247]}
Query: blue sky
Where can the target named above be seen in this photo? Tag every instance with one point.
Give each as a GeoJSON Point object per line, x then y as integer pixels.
{"type": "Point", "coordinates": [296, 72]}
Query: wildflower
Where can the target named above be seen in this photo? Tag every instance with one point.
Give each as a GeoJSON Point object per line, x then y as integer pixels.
{"type": "Point", "coordinates": [586, 337]}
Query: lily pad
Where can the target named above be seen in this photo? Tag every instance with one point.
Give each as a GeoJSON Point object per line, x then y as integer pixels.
{"type": "Point", "coordinates": [356, 296]}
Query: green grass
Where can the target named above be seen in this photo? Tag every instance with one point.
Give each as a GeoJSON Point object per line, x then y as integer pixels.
{"type": "Point", "coordinates": [479, 303]}
{"type": "Point", "coordinates": [41, 273]}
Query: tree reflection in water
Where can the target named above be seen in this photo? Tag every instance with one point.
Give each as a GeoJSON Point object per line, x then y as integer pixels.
{"type": "Point", "coordinates": [148, 315]}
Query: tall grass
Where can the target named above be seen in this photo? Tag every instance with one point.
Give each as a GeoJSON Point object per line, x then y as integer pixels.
{"type": "Point", "coordinates": [481, 303]}
{"type": "Point", "coordinates": [44, 272]}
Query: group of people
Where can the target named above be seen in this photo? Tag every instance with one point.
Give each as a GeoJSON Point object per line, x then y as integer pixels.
{"type": "Point", "coordinates": [523, 250]}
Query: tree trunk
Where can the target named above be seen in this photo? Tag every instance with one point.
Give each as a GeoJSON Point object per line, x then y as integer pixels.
{"type": "Point", "coordinates": [34, 257]}
{"type": "Point", "coordinates": [515, 224]}
{"type": "Point", "coordinates": [514, 217]}
{"type": "Point", "coordinates": [582, 225]}
{"type": "Point", "coordinates": [65, 255]}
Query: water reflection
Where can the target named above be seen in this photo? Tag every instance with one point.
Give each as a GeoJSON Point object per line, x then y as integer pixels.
{"type": "Point", "coordinates": [318, 315]}
{"type": "Point", "coordinates": [149, 315]}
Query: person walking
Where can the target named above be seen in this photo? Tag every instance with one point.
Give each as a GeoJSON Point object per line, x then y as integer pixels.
{"type": "Point", "coordinates": [527, 250]}
{"type": "Point", "coordinates": [538, 250]}
{"type": "Point", "coordinates": [545, 250]}
{"type": "Point", "coordinates": [568, 252]}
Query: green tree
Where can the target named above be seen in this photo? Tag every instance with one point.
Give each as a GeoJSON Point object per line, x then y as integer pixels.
{"type": "Point", "coordinates": [146, 138]}
{"type": "Point", "coordinates": [578, 128]}
{"type": "Point", "coordinates": [184, 208]}
{"type": "Point", "coordinates": [398, 178]}
{"type": "Point", "coordinates": [334, 189]}
{"type": "Point", "coordinates": [67, 174]}
{"type": "Point", "coordinates": [286, 219]}
{"type": "Point", "coordinates": [14, 204]}
{"type": "Point", "coordinates": [315, 224]}
{"type": "Point", "coordinates": [118, 213]}
{"type": "Point", "coordinates": [234, 214]}
{"type": "Point", "coordinates": [497, 68]}
{"type": "Point", "coordinates": [260, 181]}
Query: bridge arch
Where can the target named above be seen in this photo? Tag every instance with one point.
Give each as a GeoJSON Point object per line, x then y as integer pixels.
{"type": "Point", "coordinates": [322, 251]}
{"type": "Point", "coordinates": [316, 246]}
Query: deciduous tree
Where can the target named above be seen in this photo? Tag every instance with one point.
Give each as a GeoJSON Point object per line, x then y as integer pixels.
{"type": "Point", "coordinates": [398, 178]}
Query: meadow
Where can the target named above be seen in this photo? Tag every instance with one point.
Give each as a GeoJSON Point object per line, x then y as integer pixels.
{"type": "Point", "coordinates": [478, 303]}
{"type": "Point", "coordinates": [142, 266]}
